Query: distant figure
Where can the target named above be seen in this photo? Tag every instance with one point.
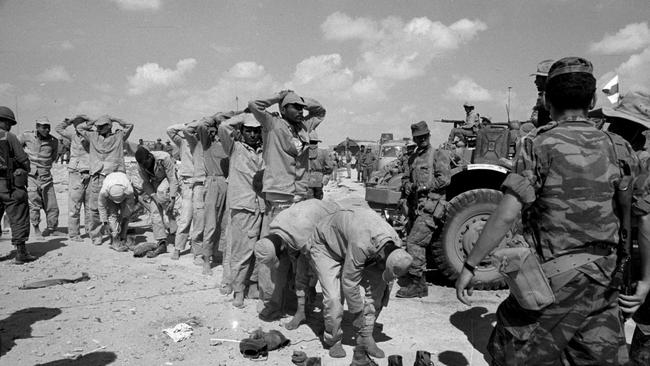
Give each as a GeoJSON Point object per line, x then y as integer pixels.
{"type": "Point", "coordinates": [359, 160]}
{"type": "Point", "coordinates": [158, 146]}
{"type": "Point", "coordinates": [320, 166]}
{"type": "Point", "coordinates": [140, 142]}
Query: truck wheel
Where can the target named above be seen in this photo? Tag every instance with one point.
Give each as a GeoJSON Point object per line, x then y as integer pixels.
{"type": "Point", "coordinates": [468, 212]}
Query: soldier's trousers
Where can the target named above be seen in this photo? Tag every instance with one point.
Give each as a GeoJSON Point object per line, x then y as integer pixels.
{"type": "Point", "coordinates": [17, 209]}
{"type": "Point", "coordinates": [184, 217]}
{"type": "Point", "coordinates": [329, 272]}
{"type": "Point", "coordinates": [273, 272]}
{"type": "Point", "coordinates": [157, 220]}
{"type": "Point", "coordinates": [96, 182]}
{"type": "Point", "coordinates": [78, 195]}
{"type": "Point", "coordinates": [40, 191]}
{"type": "Point", "coordinates": [118, 218]}
{"type": "Point", "coordinates": [245, 229]}
{"type": "Point", "coordinates": [582, 327]}
{"type": "Point", "coordinates": [640, 347]}
{"type": "Point", "coordinates": [214, 210]}
{"type": "Point", "coordinates": [418, 240]}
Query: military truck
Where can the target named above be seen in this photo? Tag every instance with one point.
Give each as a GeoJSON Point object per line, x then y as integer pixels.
{"type": "Point", "coordinates": [477, 171]}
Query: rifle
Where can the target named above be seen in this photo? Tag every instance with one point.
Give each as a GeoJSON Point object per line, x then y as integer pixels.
{"type": "Point", "coordinates": [456, 122]}
{"type": "Point", "coordinates": [622, 279]}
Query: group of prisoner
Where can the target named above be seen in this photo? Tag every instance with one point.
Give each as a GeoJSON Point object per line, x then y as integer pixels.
{"type": "Point", "coordinates": [250, 168]}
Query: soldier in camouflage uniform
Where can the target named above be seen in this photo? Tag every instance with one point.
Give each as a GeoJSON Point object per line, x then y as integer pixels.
{"type": "Point", "coordinates": [564, 179]}
{"type": "Point", "coordinates": [630, 118]}
{"type": "Point", "coordinates": [540, 115]}
{"type": "Point", "coordinates": [424, 186]}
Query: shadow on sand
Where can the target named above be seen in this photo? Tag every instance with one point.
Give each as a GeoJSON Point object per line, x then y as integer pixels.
{"type": "Point", "coordinates": [476, 323]}
{"type": "Point", "coordinates": [19, 325]}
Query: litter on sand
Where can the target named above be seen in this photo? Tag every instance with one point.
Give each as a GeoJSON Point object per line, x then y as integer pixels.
{"type": "Point", "coordinates": [179, 332]}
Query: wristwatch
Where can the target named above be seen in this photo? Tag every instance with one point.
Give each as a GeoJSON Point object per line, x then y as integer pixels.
{"type": "Point", "coordinates": [470, 268]}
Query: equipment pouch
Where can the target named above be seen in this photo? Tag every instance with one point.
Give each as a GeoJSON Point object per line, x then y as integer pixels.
{"type": "Point", "coordinates": [524, 275]}
{"type": "Point", "coordinates": [315, 179]}
{"type": "Point", "coordinates": [20, 178]}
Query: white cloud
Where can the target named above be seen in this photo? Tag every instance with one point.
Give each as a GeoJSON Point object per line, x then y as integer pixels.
{"type": "Point", "coordinates": [324, 76]}
{"type": "Point", "coordinates": [467, 89]}
{"type": "Point", "coordinates": [92, 107]}
{"type": "Point", "coordinates": [342, 27]}
{"type": "Point", "coordinates": [398, 50]}
{"type": "Point", "coordinates": [634, 73]}
{"type": "Point", "coordinates": [54, 74]}
{"type": "Point", "coordinates": [246, 70]}
{"type": "Point", "coordinates": [631, 38]}
{"type": "Point", "coordinates": [139, 4]}
{"type": "Point", "coordinates": [152, 75]}
{"type": "Point", "coordinates": [245, 80]}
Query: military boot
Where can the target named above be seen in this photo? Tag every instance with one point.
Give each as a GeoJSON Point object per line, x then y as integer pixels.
{"type": "Point", "coordinates": [395, 360]}
{"type": "Point", "coordinates": [22, 255]}
{"type": "Point", "coordinates": [417, 287]}
{"type": "Point", "coordinates": [238, 299]}
{"type": "Point", "coordinates": [361, 358]}
{"type": "Point", "coordinates": [423, 358]}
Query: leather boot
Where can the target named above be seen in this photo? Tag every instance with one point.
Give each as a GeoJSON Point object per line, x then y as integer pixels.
{"type": "Point", "coordinates": [423, 358]}
{"type": "Point", "coordinates": [299, 316]}
{"type": "Point", "coordinates": [417, 287]}
{"type": "Point", "coordinates": [160, 249]}
{"type": "Point", "coordinates": [361, 358]}
{"type": "Point", "coordinates": [313, 361]}
{"type": "Point", "coordinates": [238, 300]}
{"type": "Point", "coordinates": [336, 350]}
{"type": "Point", "coordinates": [369, 343]}
{"type": "Point", "coordinates": [395, 360]}
{"type": "Point", "coordinates": [22, 255]}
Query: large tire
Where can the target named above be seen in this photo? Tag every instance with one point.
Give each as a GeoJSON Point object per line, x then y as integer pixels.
{"type": "Point", "coordinates": [468, 212]}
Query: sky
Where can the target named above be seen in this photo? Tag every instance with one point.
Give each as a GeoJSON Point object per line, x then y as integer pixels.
{"type": "Point", "coordinates": [376, 66]}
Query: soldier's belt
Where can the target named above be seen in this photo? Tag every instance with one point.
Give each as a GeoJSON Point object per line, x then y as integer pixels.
{"type": "Point", "coordinates": [576, 259]}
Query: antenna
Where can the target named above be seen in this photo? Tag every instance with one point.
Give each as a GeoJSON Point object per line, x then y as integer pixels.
{"type": "Point", "coordinates": [237, 103]}
{"type": "Point", "coordinates": [508, 105]}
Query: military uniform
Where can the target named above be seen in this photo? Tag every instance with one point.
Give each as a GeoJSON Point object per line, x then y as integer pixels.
{"type": "Point", "coordinates": [320, 165]}
{"type": "Point", "coordinates": [424, 185]}
{"type": "Point", "coordinates": [14, 164]}
{"type": "Point", "coordinates": [42, 152]}
{"type": "Point", "coordinates": [564, 175]}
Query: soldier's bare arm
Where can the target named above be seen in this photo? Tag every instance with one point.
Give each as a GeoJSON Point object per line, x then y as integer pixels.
{"type": "Point", "coordinates": [258, 109]}
{"type": "Point", "coordinates": [494, 231]}
{"type": "Point", "coordinates": [315, 114]}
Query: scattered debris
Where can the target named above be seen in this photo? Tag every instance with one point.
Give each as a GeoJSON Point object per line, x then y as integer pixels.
{"type": "Point", "coordinates": [54, 282]}
{"type": "Point", "coordinates": [179, 332]}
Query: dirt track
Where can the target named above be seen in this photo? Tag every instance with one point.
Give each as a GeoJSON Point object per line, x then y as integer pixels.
{"type": "Point", "coordinates": [117, 317]}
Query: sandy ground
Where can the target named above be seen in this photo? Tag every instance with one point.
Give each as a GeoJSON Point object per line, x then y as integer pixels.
{"type": "Point", "coordinates": [117, 317]}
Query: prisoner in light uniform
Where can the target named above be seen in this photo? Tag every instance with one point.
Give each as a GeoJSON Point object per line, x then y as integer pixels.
{"type": "Point", "coordinates": [42, 149]}
{"type": "Point", "coordinates": [288, 236]}
{"type": "Point", "coordinates": [78, 176]}
{"type": "Point", "coordinates": [160, 184]}
{"type": "Point", "coordinates": [354, 248]}
{"type": "Point", "coordinates": [186, 183]}
{"type": "Point", "coordinates": [241, 138]}
{"type": "Point", "coordinates": [106, 155]}
{"type": "Point", "coordinates": [115, 203]}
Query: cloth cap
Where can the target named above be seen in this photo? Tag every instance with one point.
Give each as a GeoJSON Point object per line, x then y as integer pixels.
{"type": "Point", "coordinates": [543, 67]}
{"type": "Point", "coordinates": [7, 114]}
{"type": "Point", "coordinates": [251, 121]}
{"type": "Point", "coordinates": [397, 264]}
{"type": "Point", "coordinates": [43, 121]}
{"type": "Point", "coordinates": [103, 120]}
{"type": "Point", "coordinates": [117, 193]}
{"type": "Point", "coordinates": [292, 98]}
{"type": "Point", "coordinates": [468, 104]}
{"type": "Point", "coordinates": [313, 136]}
{"type": "Point", "coordinates": [419, 129]}
{"type": "Point", "coordinates": [487, 118]}
{"type": "Point", "coordinates": [569, 65]}
{"type": "Point", "coordinates": [79, 119]}
{"type": "Point", "coordinates": [634, 106]}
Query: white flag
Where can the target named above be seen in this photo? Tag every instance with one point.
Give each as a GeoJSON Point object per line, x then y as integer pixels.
{"type": "Point", "coordinates": [611, 90]}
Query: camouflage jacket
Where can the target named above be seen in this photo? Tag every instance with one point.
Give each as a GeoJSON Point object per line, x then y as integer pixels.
{"type": "Point", "coordinates": [565, 174]}
{"type": "Point", "coordinates": [428, 170]}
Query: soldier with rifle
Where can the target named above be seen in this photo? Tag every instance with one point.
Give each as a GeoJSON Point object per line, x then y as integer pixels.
{"type": "Point", "coordinates": [630, 119]}
{"type": "Point", "coordinates": [564, 185]}
{"type": "Point", "coordinates": [14, 166]}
